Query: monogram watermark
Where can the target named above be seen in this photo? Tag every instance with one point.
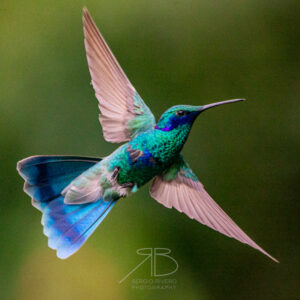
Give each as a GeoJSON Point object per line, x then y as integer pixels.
{"type": "Point", "coordinates": [156, 280]}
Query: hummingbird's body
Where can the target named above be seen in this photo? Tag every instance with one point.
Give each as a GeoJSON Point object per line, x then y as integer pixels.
{"type": "Point", "coordinates": [137, 161]}
{"type": "Point", "coordinates": [149, 154]}
{"type": "Point", "coordinates": [156, 150]}
{"type": "Point", "coordinates": [159, 147]}
{"type": "Point", "coordinates": [76, 193]}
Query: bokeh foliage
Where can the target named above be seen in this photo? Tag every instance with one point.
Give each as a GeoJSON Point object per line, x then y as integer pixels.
{"type": "Point", "coordinates": [247, 154]}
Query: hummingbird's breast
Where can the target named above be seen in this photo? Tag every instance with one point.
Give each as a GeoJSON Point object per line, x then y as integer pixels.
{"type": "Point", "coordinates": [144, 157]}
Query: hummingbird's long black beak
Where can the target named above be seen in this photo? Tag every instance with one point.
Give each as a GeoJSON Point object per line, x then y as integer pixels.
{"type": "Point", "coordinates": [205, 107]}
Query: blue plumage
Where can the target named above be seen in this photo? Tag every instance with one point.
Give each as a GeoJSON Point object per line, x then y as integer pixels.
{"type": "Point", "coordinates": [46, 176]}
{"type": "Point", "coordinates": [69, 226]}
{"type": "Point", "coordinates": [66, 226]}
{"type": "Point", "coordinates": [147, 159]}
{"type": "Point", "coordinates": [169, 120]}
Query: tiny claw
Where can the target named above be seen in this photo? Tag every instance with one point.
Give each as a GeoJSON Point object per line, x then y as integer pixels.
{"type": "Point", "coordinates": [115, 174]}
{"type": "Point", "coordinates": [128, 185]}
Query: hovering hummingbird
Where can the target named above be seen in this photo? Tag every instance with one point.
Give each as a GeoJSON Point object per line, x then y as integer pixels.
{"type": "Point", "coordinates": [76, 193]}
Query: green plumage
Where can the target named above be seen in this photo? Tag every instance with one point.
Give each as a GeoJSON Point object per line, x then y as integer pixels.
{"type": "Point", "coordinates": [151, 152]}
{"type": "Point", "coordinates": [160, 150]}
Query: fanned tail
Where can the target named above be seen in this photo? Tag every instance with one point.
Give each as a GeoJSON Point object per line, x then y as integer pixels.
{"type": "Point", "coordinates": [66, 226]}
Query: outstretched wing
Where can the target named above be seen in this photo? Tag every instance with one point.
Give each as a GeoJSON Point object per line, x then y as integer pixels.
{"type": "Point", "coordinates": [180, 188]}
{"type": "Point", "coordinates": [123, 112]}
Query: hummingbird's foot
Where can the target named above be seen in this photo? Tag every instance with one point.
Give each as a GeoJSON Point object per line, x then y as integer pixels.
{"type": "Point", "coordinates": [114, 175]}
{"type": "Point", "coordinates": [127, 185]}
{"type": "Point", "coordinates": [130, 185]}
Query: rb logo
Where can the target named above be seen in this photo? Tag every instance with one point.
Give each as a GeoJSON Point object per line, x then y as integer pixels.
{"type": "Point", "coordinates": [151, 254]}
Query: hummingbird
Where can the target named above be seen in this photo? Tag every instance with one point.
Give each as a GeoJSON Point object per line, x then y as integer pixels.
{"type": "Point", "coordinates": [76, 193]}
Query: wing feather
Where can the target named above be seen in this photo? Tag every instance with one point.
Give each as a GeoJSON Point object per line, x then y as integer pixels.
{"type": "Point", "coordinates": [119, 103]}
{"type": "Point", "coordinates": [185, 193]}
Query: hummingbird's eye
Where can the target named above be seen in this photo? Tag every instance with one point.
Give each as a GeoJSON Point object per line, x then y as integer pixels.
{"type": "Point", "coordinates": [180, 113]}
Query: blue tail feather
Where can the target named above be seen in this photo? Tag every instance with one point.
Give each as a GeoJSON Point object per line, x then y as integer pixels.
{"type": "Point", "coordinates": [65, 252]}
{"type": "Point", "coordinates": [46, 176]}
{"type": "Point", "coordinates": [82, 225]}
{"type": "Point", "coordinates": [66, 226]}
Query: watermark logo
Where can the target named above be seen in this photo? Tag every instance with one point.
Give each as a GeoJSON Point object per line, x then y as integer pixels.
{"type": "Point", "coordinates": [156, 279]}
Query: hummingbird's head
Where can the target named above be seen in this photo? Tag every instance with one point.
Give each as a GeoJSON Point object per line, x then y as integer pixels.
{"type": "Point", "coordinates": [183, 116]}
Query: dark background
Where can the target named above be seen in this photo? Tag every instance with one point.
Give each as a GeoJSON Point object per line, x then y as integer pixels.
{"type": "Point", "coordinates": [246, 154]}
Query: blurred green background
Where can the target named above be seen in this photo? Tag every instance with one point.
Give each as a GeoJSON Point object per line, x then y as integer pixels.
{"type": "Point", "coordinates": [247, 154]}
